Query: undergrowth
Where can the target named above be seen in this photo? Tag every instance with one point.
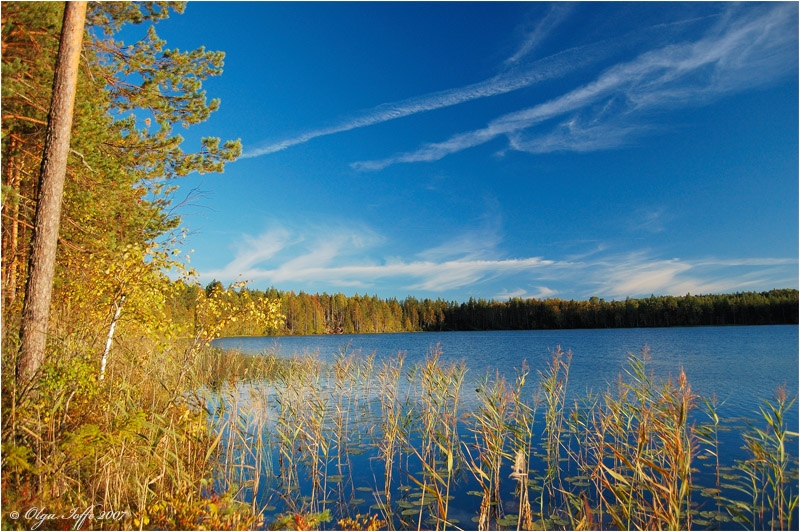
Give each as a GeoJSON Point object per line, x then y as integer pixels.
{"type": "Point", "coordinates": [189, 437]}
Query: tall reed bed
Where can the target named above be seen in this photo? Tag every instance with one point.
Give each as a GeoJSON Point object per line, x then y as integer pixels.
{"type": "Point", "coordinates": [388, 444]}
{"type": "Point", "coordinates": [766, 473]}
{"type": "Point", "coordinates": [437, 449]}
{"type": "Point", "coordinates": [638, 447]}
{"type": "Point", "coordinates": [501, 429]}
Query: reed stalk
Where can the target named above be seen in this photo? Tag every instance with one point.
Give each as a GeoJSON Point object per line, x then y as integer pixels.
{"type": "Point", "coordinates": [488, 425]}
{"type": "Point", "coordinates": [522, 421]}
{"type": "Point", "coordinates": [438, 405]}
{"type": "Point", "coordinates": [774, 501]}
{"type": "Point", "coordinates": [393, 422]}
{"type": "Point", "coordinates": [553, 382]}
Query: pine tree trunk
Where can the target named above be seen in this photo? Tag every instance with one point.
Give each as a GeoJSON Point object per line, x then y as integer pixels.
{"type": "Point", "coordinates": [39, 288]}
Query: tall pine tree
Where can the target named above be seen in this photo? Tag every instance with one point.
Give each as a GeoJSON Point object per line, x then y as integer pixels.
{"type": "Point", "coordinates": [36, 311]}
{"type": "Point", "coordinates": [122, 155]}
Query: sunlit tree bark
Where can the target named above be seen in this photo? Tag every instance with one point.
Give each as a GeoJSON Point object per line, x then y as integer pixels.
{"type": "Point", "coordinates": [38, 291]}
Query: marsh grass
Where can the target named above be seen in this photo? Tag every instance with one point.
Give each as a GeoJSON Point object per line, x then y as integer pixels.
{"type": "Point", "coordinates": [624, 458]}
{"type": "Point", "coordinates": [437, 450]}
{"type": "Point", "coordinates": [394, 422]}
{"type": "Point", "coordinates": [485, 450]}
{"type": "Point", "coordinates": [137, 441]}
{"type": "Point", "coordinates": [766, 475]}
{"type": "Point", "coordinates": [233, 438]}
{"type": "Point", "coordinates": [639, 450]}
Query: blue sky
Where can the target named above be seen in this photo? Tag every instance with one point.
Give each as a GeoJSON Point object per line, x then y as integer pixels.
{"type": "Point", "coordinates": [499, 150]}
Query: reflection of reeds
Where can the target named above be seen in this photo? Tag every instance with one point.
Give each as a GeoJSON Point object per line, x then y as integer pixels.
{"type": "Point", "coordinates": [501, 427]}
{"type": "Point", "coordinates": [344, 373]}
{"type": "Point", "coordinates": [299, 421]}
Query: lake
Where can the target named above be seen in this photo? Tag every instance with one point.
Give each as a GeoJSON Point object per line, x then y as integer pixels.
{"type": "Point", "coordinates": [741, 365]}
{"type": "Point", "coordinates": [323, 439]}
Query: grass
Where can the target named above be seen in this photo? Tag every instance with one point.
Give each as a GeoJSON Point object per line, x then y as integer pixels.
{"type": "Point", "coordinates": [141, 446]}
{"type": "Point", "coordinates": [363, 444]}
{"type": "Point", "coordinates": [626, 458]}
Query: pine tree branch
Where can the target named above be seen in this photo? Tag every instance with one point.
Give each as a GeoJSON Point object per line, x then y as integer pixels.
{"type": "Point", "coordinates": [25, 119]}
{"type": "Point", "coordinates": [83, 159]}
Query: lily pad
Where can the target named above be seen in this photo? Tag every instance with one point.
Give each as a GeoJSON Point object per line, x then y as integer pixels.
{"type": "Point", "coordinates": [508, 520]}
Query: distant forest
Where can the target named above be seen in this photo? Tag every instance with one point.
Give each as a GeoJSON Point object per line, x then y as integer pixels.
{"type": "Point", "coordinates": [338, 314]}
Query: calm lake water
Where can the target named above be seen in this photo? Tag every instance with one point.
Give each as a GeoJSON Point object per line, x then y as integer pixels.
{"type": "Point", "coordinates": [741, 365]}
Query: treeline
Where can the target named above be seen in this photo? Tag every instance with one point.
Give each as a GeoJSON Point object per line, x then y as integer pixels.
{"type": "Point", "coordinates": [338, 314]}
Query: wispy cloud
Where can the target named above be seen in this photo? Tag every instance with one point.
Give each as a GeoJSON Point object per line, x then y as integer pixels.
{"type": "Point", "coordinates": [523, 76]}
{"type": "Point", "coordinates": [341, 256]}
{"type": "Point", "coordinates": [555, 16]}
{"type": "Point", "coordinates": [294, 249]}
{"type": "Point", "coordinates": [651, 220]}
{"type": "Point", "coordinates": [505, 294]}
{"type": "Point", "coordinates": [517, 72]}
{"type": "Point", "coordinates": [740, 51]}
{"type": "Point", "coordinates": [477, 242]}
{"type": "Point", "coordinates": [252, 251]}
{"type": "Point", "coordinates": [640, 273]}
{"type": "Point", "coordinates": [346, 256]}
{"type": "Point", "coordinates": [420, 275]}
{"type": "Point", "coordinates": [541, 292]}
